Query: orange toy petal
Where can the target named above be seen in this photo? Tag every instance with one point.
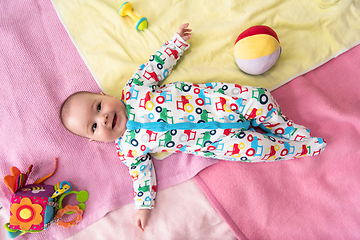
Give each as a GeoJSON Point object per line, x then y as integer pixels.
{"type": "Point", "coordinates": [14, 220]}
{"type": "Point", "coordinates": [25, 225]}
{"type": "Point", "coordinates": [37, 219]}
{"type": "Point", "coordinates": [25, 201]}
{"type": "Point", "coordinates": [10, 180]}
{"type": "Point", "coordinates": [14, 207]}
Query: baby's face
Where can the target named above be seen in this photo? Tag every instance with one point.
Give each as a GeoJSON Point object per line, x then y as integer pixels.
{"type": "Point", "coordinates": [97, 117]}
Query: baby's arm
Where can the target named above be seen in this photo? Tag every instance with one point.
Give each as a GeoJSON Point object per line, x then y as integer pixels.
{"type": "Point", "coordinates": [142, 171]}
{"type": "Point", "coordinates": [143, 175]}
{"type": "Point", "coordinates": [161, 63]}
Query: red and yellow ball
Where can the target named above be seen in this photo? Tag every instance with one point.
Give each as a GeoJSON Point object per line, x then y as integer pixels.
{"type": "Point", "coordinates": [257, 49]}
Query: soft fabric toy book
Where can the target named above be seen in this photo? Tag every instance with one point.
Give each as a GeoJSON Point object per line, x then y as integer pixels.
{"type": "Point", "coordinates": [34, 207]}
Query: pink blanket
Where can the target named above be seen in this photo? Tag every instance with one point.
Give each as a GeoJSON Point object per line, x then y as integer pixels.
{"type": "Point", "coordinates": [309, 198]}
{"type": "Point", "coordinates": [39, 68]}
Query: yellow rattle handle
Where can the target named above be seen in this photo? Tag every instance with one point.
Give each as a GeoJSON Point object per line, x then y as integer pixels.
{"type": "Point", "coordinates": [126, 10]}
{"type": "Point", "coordinates": [61, 191]}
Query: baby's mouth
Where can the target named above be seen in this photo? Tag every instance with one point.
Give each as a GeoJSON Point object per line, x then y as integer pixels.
{"type": "Point", "coordinates": [114, 121]}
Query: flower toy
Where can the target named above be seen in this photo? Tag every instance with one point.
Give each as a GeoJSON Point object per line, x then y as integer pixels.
{"type": "Point", "coordinates": [36, 206]}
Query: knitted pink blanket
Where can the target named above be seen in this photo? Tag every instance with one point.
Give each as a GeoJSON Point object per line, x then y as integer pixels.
{"type": "Point", "coordinates": [309, 198]}
{"type": "Point", "coordinates": [39, 68]}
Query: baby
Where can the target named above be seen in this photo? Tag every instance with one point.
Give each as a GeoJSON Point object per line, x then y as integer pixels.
{"type": "Point", "coordinates": [212, 120]}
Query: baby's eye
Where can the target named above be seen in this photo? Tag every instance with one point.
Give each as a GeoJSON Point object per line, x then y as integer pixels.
{"type": "Point", "coordinates": [98, 107]}
{"type": "Point", "coordinates": [94, 127]}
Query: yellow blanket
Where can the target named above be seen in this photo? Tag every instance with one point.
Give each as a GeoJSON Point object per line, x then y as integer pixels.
{"type": "Point", "coordinates": [311, 32]}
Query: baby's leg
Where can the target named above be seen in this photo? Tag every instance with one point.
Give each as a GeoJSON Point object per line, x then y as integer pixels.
{"type": "Point", "coordinates": [258, 105]}
{"type": "Point", "coordinates": [250, 146]}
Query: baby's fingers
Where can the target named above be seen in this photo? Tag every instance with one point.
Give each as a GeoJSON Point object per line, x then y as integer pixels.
{"type": "Point", "coordinates": [183, 26]}
{"type": "Point", "coordinates": [184, 32]}
{"type": "Point", "coordinates": [140, 225]}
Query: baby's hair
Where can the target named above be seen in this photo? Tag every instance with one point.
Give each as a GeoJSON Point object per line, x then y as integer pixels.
{"type": "Point", "coordinates": [65, 106]}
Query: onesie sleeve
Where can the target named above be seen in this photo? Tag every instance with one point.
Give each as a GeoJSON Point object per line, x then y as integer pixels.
{"type": "Point", "coordinates": [160, 64]}
{"type": "Point", "coordinates": [142, 172]}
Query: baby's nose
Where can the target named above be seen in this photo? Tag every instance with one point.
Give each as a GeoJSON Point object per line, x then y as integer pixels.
{"type": "Point", "coordinates": [105, 119]}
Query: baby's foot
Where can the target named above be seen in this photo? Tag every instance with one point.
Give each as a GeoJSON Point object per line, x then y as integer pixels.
{"type": "Point", "coordinates": [289, 130]}
{"type": "Point", "coordinates": [311, 147]}
{"type": "Point", "coordinates": [296, 132]}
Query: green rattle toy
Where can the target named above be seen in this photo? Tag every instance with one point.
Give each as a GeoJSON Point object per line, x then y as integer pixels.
{"type": "Point", "coordinates": [126, 10]}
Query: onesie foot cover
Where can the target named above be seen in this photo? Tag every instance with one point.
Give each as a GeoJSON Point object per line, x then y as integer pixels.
{"type": "Point", "coordinates": [312, 147]}
{"type": "Point", "coordinates": [283, 149]}
{"type": "Point", "coordinates": [292, 131]}
{"type": "Point", "coordinates": [296, 143]}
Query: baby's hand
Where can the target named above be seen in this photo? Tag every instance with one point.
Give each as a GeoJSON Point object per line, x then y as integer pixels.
{"type": "Point", "coordinates": [141, 218]}
{"type": "Point", "coordinates": [184, 32]}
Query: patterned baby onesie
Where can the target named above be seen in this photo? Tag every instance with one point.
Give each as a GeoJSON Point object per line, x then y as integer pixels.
{"type": "Point", "coordinates": [212, 120]}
